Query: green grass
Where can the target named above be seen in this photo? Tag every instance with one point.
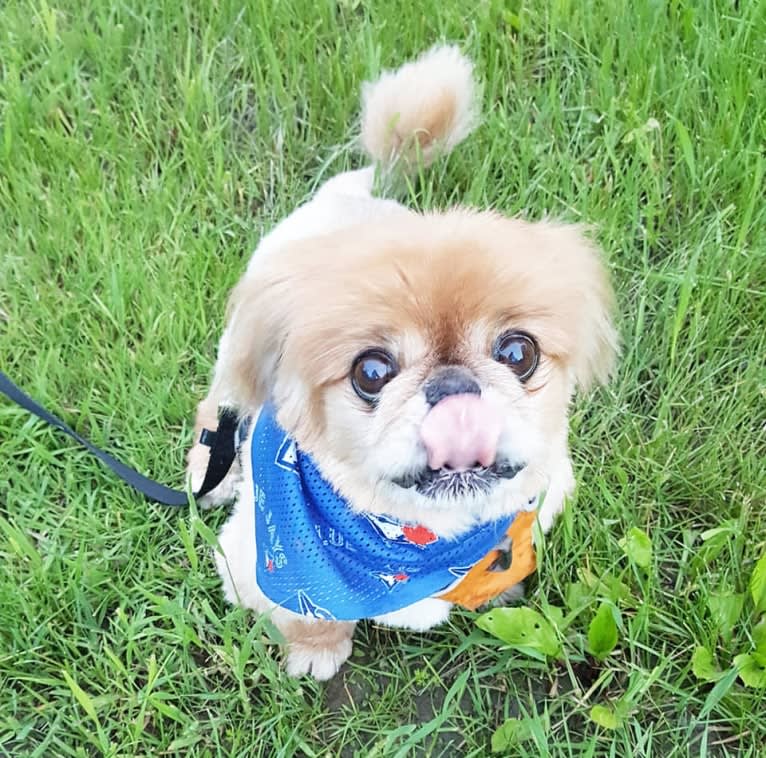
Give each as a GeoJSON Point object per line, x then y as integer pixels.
{"type": "Point", "coordinates": [144, 148]}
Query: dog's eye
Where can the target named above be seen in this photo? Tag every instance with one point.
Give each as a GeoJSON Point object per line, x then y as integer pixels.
{"type": "Point", "coordinates": [519, 351]}
{"type": "Point", "coordinates": [371, 371]}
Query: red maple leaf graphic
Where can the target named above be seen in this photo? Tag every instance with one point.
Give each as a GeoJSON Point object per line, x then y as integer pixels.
{"type": "Point", "coordinates": [419, 535]}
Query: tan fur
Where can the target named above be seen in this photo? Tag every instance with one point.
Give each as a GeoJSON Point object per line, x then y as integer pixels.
{"type": "Point", "coordinates": [309, 311]}
{"type": "Point", "coordinates": [314, 644]}
{"type": "Point", "coordinates": [349, 271]}
{"type": "Point", "coordinates": [206, 418]}
{"type": "Point", "coordinates": [421, 108]}
{"type": "Point", "coordinates": [433, 290]}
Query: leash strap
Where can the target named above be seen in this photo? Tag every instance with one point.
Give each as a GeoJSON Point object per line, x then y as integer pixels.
{"type": "Point", "coordinates": [221, 443]}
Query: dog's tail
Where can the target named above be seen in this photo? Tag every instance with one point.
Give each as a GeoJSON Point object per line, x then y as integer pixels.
{"type": "Point", "coordinates": [420, 110]}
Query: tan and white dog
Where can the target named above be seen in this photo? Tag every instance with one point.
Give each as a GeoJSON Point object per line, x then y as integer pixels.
{"type": "Point", "coordinates": [425, 362]}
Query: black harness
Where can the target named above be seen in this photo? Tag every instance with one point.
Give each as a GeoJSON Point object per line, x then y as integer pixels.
{"type": "Point", "coordinates": [222, 444]}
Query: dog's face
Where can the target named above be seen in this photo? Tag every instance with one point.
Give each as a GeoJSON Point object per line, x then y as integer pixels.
{"type": "Point", "coordinates": [427, 364]}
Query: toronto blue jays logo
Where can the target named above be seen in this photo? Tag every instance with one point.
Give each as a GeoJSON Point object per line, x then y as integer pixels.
{"type": "Point", "coordinates": [392, 580]}
{"type": "Point", "coordinates": [403, 534]}
{"type": "Point", "coordinates": [308, 607]}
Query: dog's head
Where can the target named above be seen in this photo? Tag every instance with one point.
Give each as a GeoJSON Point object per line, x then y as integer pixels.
{"type": "Point", "coordinates": [428, 363]}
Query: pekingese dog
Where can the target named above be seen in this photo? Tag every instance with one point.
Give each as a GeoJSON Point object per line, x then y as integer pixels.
{"type": "Point", "coordinates": [404, 381]}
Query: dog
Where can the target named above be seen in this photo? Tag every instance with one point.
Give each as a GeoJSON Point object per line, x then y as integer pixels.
{"type": "Point", "coordinates": [406, 379]}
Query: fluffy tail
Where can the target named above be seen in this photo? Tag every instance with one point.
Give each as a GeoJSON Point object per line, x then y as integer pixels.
{"type": "Point", "coordinates": [420, 110]}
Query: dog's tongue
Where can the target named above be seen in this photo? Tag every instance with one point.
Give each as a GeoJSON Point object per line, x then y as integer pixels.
{"type": "Point", "coordinates": [460, 432]}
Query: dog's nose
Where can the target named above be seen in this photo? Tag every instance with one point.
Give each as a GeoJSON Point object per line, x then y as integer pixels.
{"type": "Point", "coordinates": [451, 380]}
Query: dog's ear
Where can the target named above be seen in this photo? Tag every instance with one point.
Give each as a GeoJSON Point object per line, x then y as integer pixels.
{"type": "Point", "coordinates": [257, 326]}
{"type": "Point", "coordinates": [594, 362]}
{"type": "Point", "coordinates": [567, 290]}
{"type": "Point", "coordinates": [587, 295]}
{"type": "Point", "coordinates": [261, 352]}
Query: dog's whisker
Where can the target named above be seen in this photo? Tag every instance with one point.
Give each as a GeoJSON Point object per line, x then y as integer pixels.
{"type": "Point", "coordinates": [449, 483]}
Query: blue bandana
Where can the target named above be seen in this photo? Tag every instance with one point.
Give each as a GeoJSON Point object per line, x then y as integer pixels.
{"type": "Point", "coordinates": [319, 558]}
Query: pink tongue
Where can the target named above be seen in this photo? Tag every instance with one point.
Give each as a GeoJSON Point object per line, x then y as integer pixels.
{"type": "Point", "coordinates": [460, 432]}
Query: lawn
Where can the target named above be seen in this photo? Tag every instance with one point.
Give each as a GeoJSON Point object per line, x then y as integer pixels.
{"type": "Point", "coordinates": [146, 145]}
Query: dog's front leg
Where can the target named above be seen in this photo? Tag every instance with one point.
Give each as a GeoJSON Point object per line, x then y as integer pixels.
{"type": "Point", "coordinates": [315, 647]}
{"type": "Point", "coordinates": [198, 456]}
{"type": "Point", "coordinates": [561, 485]}
{"type": "Point", "coordinates": [207, 418]}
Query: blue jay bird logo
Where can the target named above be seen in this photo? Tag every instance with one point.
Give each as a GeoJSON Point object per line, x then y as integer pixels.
{"type": "Point", "coordinates": [392, 580]}
{"type": "Point", "coordinates": [404, 534]}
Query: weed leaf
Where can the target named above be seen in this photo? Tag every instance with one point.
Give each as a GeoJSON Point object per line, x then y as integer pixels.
{"type": "Point", "coordinates": [758, 585]}
{"type": "Point", "coordinates": [602, 632]}
{"type": "Point", "coordinates": [510, 733]}
{"type": "Point", "coordinates": [606, 585]}
{"type": "Point", "coordinates": [703, 667]}
{"type": "Point", "coordinates": [751, 670]}
{"type": "Point", "coordinates": [638, 547]}
{"type": "Point", "coordinates": [725, 608]}
{"type": "Point", "coordinates": [759, 636]}
{"type": "Point", "coordinates": [522, 629]}
{"type": "Point", "coordinates": [605, 717]}
{"type": "Point", "coordinates": [578, 596]}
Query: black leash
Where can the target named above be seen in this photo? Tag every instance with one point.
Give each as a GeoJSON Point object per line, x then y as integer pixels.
{"type": "Point", "coordinates": [220, 442]}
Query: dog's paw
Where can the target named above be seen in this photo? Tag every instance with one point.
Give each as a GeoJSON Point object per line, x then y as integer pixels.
{"type": "Point", "coordinates": [321, 662]}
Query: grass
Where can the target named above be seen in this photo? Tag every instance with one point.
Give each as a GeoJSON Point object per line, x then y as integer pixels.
{"type": "Point", "coordinates": [145, 147]}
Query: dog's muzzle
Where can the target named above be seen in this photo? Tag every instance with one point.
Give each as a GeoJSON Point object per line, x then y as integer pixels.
{"type": "Point", "coordinates": [445, 482]}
